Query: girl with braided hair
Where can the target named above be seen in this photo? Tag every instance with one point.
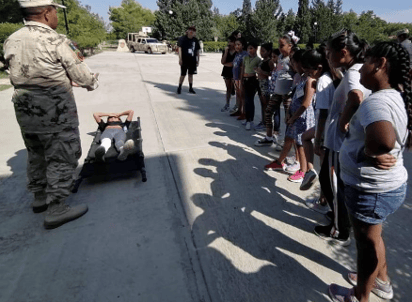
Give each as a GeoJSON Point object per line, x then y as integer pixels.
{"type": "Point", "coordinates": [380, 126]}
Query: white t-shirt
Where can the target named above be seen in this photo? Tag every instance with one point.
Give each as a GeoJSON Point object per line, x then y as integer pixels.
{"type": "Point", "coordinates": [356, 169]}
{"type": "Point", "coordinates": [324, 92]}
{"type": "Point", "coordinates": [350, 81]}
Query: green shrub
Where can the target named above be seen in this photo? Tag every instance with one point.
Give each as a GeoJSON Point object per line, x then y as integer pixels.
{"type": "Point", "coordinates": [211, 46]}
{"type": "Point", "coordinates": [6, 29]}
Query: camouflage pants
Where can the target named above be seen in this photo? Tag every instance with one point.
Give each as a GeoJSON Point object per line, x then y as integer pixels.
{"type": "Point", "coordinates": [52, 160]}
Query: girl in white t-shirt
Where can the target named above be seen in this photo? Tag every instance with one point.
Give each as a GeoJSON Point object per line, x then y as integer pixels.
{"type": "Point", "coordinates": [379, 127]}
{"type": "Point", "coordinates": [346, 51]}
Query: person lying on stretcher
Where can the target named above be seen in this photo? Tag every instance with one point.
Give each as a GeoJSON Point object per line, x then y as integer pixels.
{"type": "Point", "coordinates": [115, 130]}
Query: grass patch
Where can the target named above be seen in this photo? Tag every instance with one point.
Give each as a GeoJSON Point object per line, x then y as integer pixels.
{"type": "Point", "coordinates": [3, 74]}
{"type": "Point", "coordinates": [4, 87]}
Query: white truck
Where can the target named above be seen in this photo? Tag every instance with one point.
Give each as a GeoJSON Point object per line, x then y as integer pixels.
{"type": "Point", "coordinates": [141, 42]}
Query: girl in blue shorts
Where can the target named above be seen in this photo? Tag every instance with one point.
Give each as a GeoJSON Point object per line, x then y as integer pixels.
{"type": "Point", "coordinates": [380, 127]}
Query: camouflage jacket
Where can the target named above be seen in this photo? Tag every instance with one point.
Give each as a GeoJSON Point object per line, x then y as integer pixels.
{"type": "Point", "coordinates": [42, 64]}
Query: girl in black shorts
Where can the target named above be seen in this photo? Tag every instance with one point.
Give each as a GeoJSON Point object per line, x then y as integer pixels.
{"type": "Point", "coordinates": [227, 61]}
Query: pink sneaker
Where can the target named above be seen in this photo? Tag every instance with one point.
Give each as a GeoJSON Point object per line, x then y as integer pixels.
{"type": "Point", "coordinates": [275, 166]}
{"type": "Point", "coordinates": [297, 177]}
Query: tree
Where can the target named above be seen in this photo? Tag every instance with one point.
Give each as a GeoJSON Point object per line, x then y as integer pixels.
{"type": "Point", "coordinates": [10, 12]}
{"type": "Point", "coordinates": [265, 20]}
{"type": "Point", "coordinates": [175, 16]}
{"type": "Point", "coordinates": [130, 17]}
{"type": "Point", "coordinates": [286, 22]}
{"type": "Point", "coordinates": [303, 21]}
{"type": "Point", "coordinates": [245, 20]}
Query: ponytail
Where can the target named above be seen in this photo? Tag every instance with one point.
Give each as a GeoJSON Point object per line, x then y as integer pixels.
{"type": "Point", "coordinates": [399, 76]}
{"type": "Point", "coordinates": [349, 40]}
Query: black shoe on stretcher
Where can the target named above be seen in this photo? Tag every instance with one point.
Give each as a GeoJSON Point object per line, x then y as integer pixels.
{"type": "Point", "coordinates": [99, 153]}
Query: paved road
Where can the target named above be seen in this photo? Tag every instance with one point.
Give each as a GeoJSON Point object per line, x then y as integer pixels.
{"type": "Point", "coordinates": [209, 225]}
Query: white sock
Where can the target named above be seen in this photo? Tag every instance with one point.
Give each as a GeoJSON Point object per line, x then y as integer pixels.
{"type": "Point", "coordinates": [269, 138]}
{"type": "Point", "coordinates": [106, 143]}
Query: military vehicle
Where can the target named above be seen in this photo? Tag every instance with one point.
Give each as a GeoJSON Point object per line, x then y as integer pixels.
{"type": "Point", "coordinates": [141, 42]}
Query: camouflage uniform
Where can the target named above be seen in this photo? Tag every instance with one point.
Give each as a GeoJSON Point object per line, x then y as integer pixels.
{"type": "Point", "coordinates": [42, 65]}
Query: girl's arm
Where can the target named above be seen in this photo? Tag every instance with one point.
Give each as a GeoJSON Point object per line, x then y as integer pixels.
{"type": "Point", "coordinates": [98, 116]}
{"type": "Point", "coordinates": [380, 138]}
{"type": "Point", "coordinates": [271, 65]}
{"type": "Point", "coordinates": [320, 128]}
{"type": "Point", "coordinates": [355, 98]}
{"type": "Point", "coordinates": [228, 64]}
{"type": "Point", "coordinates": [224, 57]}
{"type": "Point", "coordinates": [310, 90]}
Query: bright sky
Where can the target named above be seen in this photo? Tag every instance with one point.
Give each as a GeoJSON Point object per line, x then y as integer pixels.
{"type": "Point", "coordinates": [391, 11]}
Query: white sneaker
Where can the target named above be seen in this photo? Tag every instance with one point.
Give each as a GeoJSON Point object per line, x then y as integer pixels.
{"type": "Point", "coordinates": [310, 178]}
{"type": "Point", "coordinates": [127, 149]}
{"type": "Point", "coordinates": [279, 147]}
{"type": "Point", "coordinates": [244, 122]}
{"type": "Point", "coordinates": [292, 168]}
{"type": "Point", "coordinates": [249, 125]}
{"type": "Point", "coordinates": [315, 205]}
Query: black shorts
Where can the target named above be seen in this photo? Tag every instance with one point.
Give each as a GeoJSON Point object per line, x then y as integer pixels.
{"type": "Point", "coordinates": [188, 68]}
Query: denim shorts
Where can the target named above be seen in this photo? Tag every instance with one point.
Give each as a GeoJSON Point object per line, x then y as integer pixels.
{"type": "Point", "coordinates": [373, 208]}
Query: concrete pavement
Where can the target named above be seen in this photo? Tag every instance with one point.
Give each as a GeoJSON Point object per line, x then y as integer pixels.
{"type": "Point", "coordinates": [209, 225]}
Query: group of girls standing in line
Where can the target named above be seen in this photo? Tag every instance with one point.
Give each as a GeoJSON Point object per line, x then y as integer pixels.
{"type": "Point", "coordinates": [354, 102]}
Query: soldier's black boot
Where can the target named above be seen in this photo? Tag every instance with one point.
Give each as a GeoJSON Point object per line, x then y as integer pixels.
{"type": "Point", "coordinates": [39, 204]}
{"type": "Point", "coordinates": [59, 213]}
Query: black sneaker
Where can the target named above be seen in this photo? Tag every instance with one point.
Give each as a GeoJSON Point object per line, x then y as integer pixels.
{"type": "Point", "coordinates": [99, 153]}
{"type": "Point", "coordinates": [192, 91]}
{"type": "Point", "coordinates": [179, 90]}
{"type": "Point", "coordinates": [324, 232]}
{"type": "Point", "coordinates": [264, 142]}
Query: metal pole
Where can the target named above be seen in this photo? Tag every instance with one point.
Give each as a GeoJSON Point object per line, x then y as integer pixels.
{"type": "Point", "coordinates": [65, 18]}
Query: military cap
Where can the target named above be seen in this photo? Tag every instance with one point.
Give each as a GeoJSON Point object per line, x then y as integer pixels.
{"type": "Point", "coordinates": [402, 32]}
{"type": "Point", "coordinates": [36, 3]}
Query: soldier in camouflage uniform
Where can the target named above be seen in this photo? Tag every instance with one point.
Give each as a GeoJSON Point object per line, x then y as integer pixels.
{"type": "Point", "coordinates": [44, 66]}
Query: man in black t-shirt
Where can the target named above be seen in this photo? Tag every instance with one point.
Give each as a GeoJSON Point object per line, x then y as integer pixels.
{"type": "Point", "coordinates": [188, 57]}
{"type": "Point", "coordinates": [114, 130]}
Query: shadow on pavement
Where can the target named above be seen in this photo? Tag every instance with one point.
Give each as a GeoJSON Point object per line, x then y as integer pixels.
{"type": "Point", "coordinates": [229, 216]}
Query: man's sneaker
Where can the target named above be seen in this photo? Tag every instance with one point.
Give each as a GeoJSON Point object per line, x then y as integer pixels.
{"type": "Point", "coordinates": [309, 180]}
{"type": "Point", "coordinates": [380, 288]}
{"type": "Point", "coordinates": [264, 142]}
{"type": "Point", "coordinates": [39, 204]}
{"type": "Point", "coordinates": [59, 213]}
{"type": "Point", "coordinates": [297, 177]}
{"type": "Point", "coordinates": [293, 168]}
{"type": "Point", "coordinates": [316, 205]}
{"type": "Point", "coordinates": [275, 166]}
{"type": "Point", "coordinates": [225, 108]}
{"type": "Point", "coordinates": [249, 125]}
{"type": "Point", "coordinates": [324, 232]}
{"type": "Point", "coordinates": [261, 126]}
{"type": "Point", "coordinates": [192, 91]}
{"type": "Point", "coordinates": [342, 294]}
{"type": "Point", "coordinates": [127, 149]}
{"type": "Point", "coordinates": [99, 153]}
{"type": "Point", "coordinates": [179, 90]}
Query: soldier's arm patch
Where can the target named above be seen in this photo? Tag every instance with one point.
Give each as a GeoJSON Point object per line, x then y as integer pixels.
{"type": "Point", "coordinates": [76, 51]}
